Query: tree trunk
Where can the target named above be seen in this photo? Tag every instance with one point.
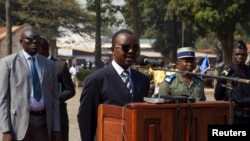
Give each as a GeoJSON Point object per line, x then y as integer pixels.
{"type": "Point", "coordinates": [227, 41]}
{"type": "Point", "coordinates": [134, 9]}
{"type": "Point", "coordinates": [135, 13]}
{"type": "Point", "coordinates": [98, 51]}
{"type": "Point", "coordinates": [9, 26]}
{"type": "Point", "coordinates": [173, 50]}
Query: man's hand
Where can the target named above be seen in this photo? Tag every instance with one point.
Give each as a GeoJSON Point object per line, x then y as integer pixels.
{"type": "Point", "coordinates": [56, 136]}
{"type": "Point", "coordinates": [7, 136]}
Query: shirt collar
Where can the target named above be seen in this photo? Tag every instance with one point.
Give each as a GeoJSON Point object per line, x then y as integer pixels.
{"type": "Point", "coordinates": [49, 57]}
{"type": "Point", "coordinates": [27, 56]}
{"type": "Point", "coordinates": [193, 79]}
{"type": "Point", "coordinates": [119, 69]}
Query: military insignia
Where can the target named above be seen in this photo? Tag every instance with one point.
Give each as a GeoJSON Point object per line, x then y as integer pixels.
{"type": "Point", "coordinates": [198, 77]}
{"type": "Point", "coordinates": [169, 78]}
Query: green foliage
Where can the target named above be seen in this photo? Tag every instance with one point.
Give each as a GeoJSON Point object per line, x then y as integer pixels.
{"type": "Point", "coordinates": [219, 17]}
{"type": "Point", "coordinates": [210, 41]}
{"type": "Point", "coordinates": [158, 20]}
{"type": "Point", "coordinates": [48, 15]}
{"type": "Point", "coordinates": [214, 15]}
{"type": "Point", "coordinates": [161, 19]}
{"type": "Point", "coordinates": [83, 73]}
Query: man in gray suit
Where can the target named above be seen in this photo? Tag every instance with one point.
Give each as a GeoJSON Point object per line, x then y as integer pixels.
{"type": "Point", "coordinates": [24, 117]}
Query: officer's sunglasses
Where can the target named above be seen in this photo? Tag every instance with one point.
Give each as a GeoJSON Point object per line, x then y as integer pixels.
{"type": "Point", "coordinates": [127, 47]}
{"type": "Point", "coordinates": [32, 38]}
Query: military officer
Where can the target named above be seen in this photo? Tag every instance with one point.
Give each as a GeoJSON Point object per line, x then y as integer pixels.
{"type": "Point", "coordinates": [240, 93]}
{"type": "Point", "coordinates": [184, 83]}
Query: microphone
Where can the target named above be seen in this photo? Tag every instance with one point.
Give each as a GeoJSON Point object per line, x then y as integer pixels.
{"type": "Point", "coordinates": [226, 71]}
{"type": "Point", "coordinates": [144, 60]}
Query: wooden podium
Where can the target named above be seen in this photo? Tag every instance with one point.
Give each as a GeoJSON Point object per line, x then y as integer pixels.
{"type": "Point", "coordinates": [160, 122]}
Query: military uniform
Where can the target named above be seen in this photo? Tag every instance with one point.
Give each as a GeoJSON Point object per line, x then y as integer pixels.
{"type": "Point", "coordinates": [240, 93]}
{"type": "Point", "coordinates": [174, 85]}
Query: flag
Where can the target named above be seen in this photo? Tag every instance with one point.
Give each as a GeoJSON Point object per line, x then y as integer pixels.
{"type": "Point", "coordinates": [205, 65]}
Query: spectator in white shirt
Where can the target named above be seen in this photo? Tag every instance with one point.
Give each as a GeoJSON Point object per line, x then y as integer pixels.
{"type": "Point", "coordinates": [73, 71]}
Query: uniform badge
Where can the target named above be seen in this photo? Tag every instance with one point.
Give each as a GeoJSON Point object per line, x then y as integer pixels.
{"type": "Point", "coordinates": [169, 78]}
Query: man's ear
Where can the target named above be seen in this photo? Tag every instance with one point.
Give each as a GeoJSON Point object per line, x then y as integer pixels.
{"type": "Point", "coordinates": [112, 49]}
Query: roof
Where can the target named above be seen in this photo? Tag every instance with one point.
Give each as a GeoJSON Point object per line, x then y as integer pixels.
{"type": "Point", "coordinates": [201, 54]}
{"type": "Point", "coordinates": [85, 49]}
{"type": "Point", "coordinates": [14, 29]}
{"type": "Point", "coordinates": [144, 43]}
{"type": "Point", "coordinates": [152, 54]}
{"type": "Point", "coordinates": [208, 50]}
{"type": "Point", "coordinates": [214, 50]}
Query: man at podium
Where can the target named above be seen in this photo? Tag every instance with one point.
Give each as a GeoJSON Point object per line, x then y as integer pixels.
{"type": "Point", "coordinates": [115, 84]}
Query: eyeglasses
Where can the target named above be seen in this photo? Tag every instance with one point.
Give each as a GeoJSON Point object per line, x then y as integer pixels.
{"type": "Point", "coordinates": [127, 47]}
{"type": "Point", "coordinates": [32, 38]}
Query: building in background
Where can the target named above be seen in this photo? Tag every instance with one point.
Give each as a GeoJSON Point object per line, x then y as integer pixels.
{"type": "Point", "coordinates": [16, 34]}
{"type": "Point", "coordinates": [80, 50]}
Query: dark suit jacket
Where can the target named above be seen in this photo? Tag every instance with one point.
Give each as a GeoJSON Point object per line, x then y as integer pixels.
{"type": "Point", "coordinates": [106, 86]}
{"type": "Point", "coordinates": [67, 87]}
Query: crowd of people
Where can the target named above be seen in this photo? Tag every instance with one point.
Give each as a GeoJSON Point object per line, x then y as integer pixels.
{"type": "Point", "coordinates": [35, 87]}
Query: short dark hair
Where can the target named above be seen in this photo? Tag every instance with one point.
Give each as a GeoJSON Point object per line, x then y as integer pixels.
{"type": "Point", "coordinates": [44, 44]}
{"type": "Point", "coordinates": [119, 32]}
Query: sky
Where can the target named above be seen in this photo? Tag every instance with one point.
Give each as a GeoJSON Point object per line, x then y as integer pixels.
{"type": "Point", "coordinates": [83, 2]}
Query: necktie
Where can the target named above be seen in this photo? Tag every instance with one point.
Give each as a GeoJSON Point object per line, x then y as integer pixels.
{"type": "Point", "coordinates": [125, 74]}
{"type": "Point", "coordinates": [35, 80]}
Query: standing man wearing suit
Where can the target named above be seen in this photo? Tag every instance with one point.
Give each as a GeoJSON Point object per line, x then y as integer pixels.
{"type": "Point", "coordinates": [23, 116]}
{"type": "Point", "coordinates": [65, 87]}
{"type": "Point", "coordinates": [106, 85]}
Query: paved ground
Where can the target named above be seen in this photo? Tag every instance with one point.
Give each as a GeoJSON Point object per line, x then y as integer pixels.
{"type": "Point", "coordinates": [73, 105]}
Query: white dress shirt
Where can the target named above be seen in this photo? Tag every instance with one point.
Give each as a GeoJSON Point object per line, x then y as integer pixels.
{"type": "Point", "coordinates": [34, 104]}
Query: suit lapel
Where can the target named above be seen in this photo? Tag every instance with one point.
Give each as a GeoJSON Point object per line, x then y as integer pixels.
{"type": "Point", "coordinates": [115, 78]}
{"type": "Point", "coordinates": [136, 81]}
{"type": "Point", "coordinates": [117, 84]}
{"type": "Point", "coordinates": [23, 62]}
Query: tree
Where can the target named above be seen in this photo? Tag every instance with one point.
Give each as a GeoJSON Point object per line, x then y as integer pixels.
{"type": "Point", "coordinates": [98, 46]}
{"type": "Point", "coordinates": [8, 23]}
{"type": "Point", "coordinates": [134, 8]}
{"type": "Point", "coordinates": [105, 16]}
{"type": "Point", "coordinates": [220, 17]}
{"type": "Point", "coordinates": [159, 22]}
{"type": "Point", "coordinates": [48, 15]}
{"type": "Point", "coordinates": [201, 17]}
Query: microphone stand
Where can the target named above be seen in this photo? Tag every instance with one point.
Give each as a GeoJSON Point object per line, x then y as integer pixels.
{"type": "Point", "coordinates": [229, 91]}
{"type": "Point", "coordinates": [240, 80]}
{"type": "Point", "coordinates": [229, 87]}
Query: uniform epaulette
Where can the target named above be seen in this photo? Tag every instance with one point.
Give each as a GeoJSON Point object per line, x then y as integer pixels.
{"type": "Point", "coordinates": [169, 78]}
{"type": "Point", "coordinates": [198, 77]}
